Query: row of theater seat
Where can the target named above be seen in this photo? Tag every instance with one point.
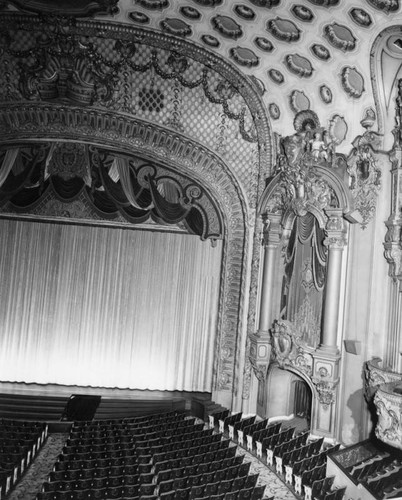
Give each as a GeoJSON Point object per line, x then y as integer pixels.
{"type": "Point", "coordinates": [169, 458]}
{"type": "Point", "coordinates": [252, 493]}
{"type": "Point", "coordinates": [301, 460]}
{"type": "Point", "coordinates": [19, 443]}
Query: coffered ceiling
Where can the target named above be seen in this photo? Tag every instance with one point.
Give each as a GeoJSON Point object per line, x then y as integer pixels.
{"type": "Point", "coordinates": [310, 54]}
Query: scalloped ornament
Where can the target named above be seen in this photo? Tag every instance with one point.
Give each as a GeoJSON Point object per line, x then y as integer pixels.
{"type": "Point", "coordinates": [352, 82]}
{"type": "Point", "coordinates": [263, 44]}
{"type": "Point", "coordinates": [244, 56]}
{"type": "Point", "coordinates": [320, 52]}
{"type": "Point", "coordinates": [227, 27]}
{"type": "Point", "coordinates": [325, 94]}
{"type": "Point", "coordinates": [283, 29]}
{"type": "Point", "coordinates": [340, 37]}
{"type": "Point", "coordinates": [299, 65]}
{"type": "Point", "coordinates": [276, 76]}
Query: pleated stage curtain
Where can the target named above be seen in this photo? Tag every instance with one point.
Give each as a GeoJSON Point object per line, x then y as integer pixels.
{"type": "Point", "coordinates": [107, 307]}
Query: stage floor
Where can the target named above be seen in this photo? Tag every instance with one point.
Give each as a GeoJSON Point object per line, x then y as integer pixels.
{"type": "Point", "coordinates": [32, 389]}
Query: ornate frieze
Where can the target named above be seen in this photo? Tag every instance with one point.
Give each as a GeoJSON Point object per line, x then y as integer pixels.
{"type": "Point", "coordinates": [83, 8]}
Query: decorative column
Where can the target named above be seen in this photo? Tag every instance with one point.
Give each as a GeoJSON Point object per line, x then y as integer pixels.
{"type": "Point", "coordinates": [260, 342]}
{"type": "Point", "coordinates": [335, 242]}
{"type": "Point", "coordinates": [393, 245]}
{"type": "Point", "coordinates": [326, 357]}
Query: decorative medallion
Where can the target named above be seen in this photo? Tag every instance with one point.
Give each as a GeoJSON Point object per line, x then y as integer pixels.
{"type": "Point", "coordinates": [208, 3]}
{"type": "Point", "coordinates": [320, 51]}
{"type": "Point", "coordinates": [352, 82]}
{"type": "Point", "coordinates": [82, 8]}
{"type": "Point", "coordinates": [325, 3]}
{"type": "Point", "coordinates": [153, 4]}
{"type": "Point", "coordinates": [386, 6]}
{"type": "Point", "coordinates": [299, 65]}
{"type": "Point", "coordinates": [274, 111]}
{"type": "Point", "coordinates": [340, 36]}
{"type": "Point", "coordinates": [227, 27]}
{"type": "Point", "coordinates": [244, 57]}
{"type": "Point", "coordinates": [68, 160]}
{"type": "Point", "coordinates": [283, 29]}
{"type": "Point", "coordinates": [263, 44]}
{"type": "Point", "coordinates": [268, 4]}
{"type": "Point", "coordinates": [276, 76]}
{"type": "Point", "coordinates": [338, 128]}
{"type": "Point", "coordinates": [259, 83]}
{"type": "Point", "coordinates": [288, 347]}
{"type": "Point", "coordinates": [139, 17]}
{"type": "Point", "coordinates": [190, 13]}
{"type": "Point", "coordinates": [302, 13]}
{"type": "Point", "coordinates": [299, 101]}
{"type": "Point", "coordinates": [176, 27]}
{"type": "Point", "coordinates": [210, 40]}
{"type": "Point", "coordinates": [244, 12]}
{"type": "Point", "coordinates": [361, 17]}
{"type": "Point", "coordinates": [325, 94]}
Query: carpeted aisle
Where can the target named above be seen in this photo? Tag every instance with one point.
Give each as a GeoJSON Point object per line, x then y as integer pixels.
{"type": "Point", "coordinates": [32, 480]}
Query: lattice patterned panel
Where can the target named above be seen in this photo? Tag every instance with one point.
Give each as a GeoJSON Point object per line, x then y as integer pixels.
{"type": "Point", "coordinates": [160, 86]}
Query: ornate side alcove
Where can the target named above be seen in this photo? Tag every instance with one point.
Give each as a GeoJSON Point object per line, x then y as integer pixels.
{"type": "Point", "coordinates": [305, 209]}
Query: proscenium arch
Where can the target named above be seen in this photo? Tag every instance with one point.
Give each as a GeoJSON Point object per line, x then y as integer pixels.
{"type": "Point", "coordinates": [196, 162]}
{"type": "Point", "coordinates": [25, 119]}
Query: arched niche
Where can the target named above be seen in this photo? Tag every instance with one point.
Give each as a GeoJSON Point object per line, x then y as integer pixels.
{"type": "Point", "coordinates": [281, 391]}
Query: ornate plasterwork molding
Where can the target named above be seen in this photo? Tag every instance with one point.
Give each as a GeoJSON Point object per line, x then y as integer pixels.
{"type": "Point", "coordinates": [365, 175]}
{"type": "Point", "coordinates": [388, 401]}
{"type": "Point", "coordinates": [288, 348]}
{"type": "Point", "coordinates": [101, 60]}
{"type": "Point", "coordinates": [290, 352]}
{"type": "Point", "coordinates": [326, 391]}
{"type": "Point", "coordinates": [376, 375]}
{"type": "Point", "coordinates": [83, 8]}
{"type": "Point", "coordinates": [393, 237]}
{"type": "Point", "coordinates": [383, 387]}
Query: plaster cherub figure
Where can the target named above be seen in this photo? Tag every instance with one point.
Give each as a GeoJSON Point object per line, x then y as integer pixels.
{"type": "Point", "coordinates": [318, 147]}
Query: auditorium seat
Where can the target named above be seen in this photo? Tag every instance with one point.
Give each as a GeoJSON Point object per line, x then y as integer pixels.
{"type": "Point", "coordinates": [213, 418]}
{"type": "Point", "coordinates": [229, 420]}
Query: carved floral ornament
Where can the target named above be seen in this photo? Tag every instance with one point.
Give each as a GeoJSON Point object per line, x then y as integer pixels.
{"type": "Point", "coordinates": [288, 348]}
{"type": "Point", "coordinates": [383, 387]}
{"type": "Point", "coordinates": [388, 401]}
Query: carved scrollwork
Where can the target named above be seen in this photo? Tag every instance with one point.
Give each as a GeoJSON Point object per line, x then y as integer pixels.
{"type": "Point", "coordinates": [326, 391]}
{"type": "Point", "coordinates": [365, 175]}
{"type": "Point", "coordinates": [288, 348]}
{"type": "Point", "coordinates": [376, 375]}
{"type": "Point", "coordinates": [388, 402]}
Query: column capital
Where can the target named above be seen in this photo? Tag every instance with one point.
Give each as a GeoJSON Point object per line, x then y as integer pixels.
{"type": "Point", "coordinates": [272, 229]}
{"type": "Point", "coordinates": [335, 229]}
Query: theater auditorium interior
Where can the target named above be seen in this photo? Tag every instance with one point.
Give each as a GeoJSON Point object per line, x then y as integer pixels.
{"type": "Point", "coordinates": [200, 249]}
